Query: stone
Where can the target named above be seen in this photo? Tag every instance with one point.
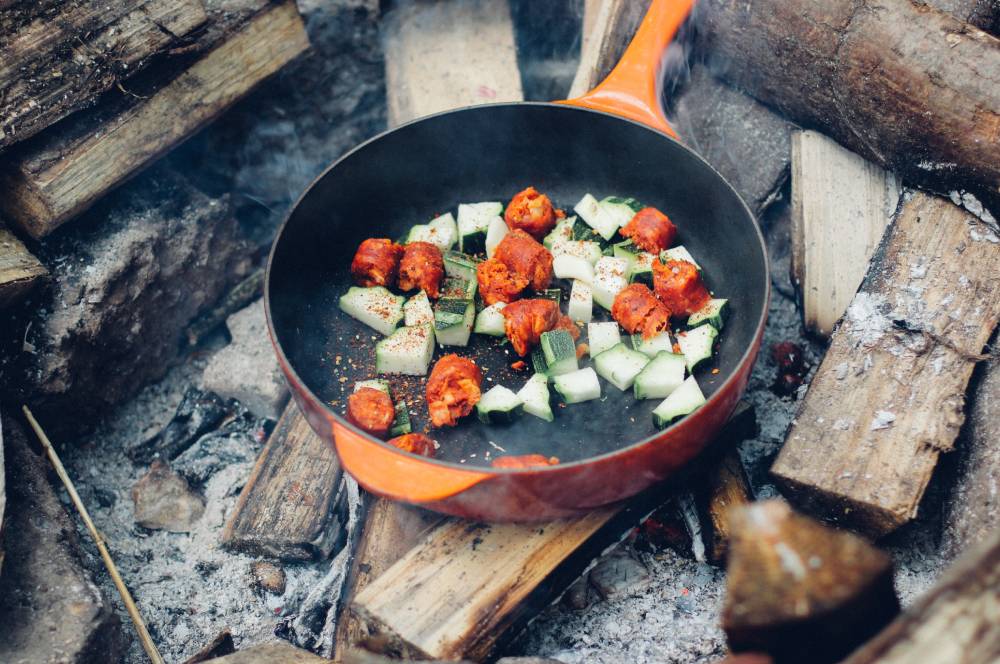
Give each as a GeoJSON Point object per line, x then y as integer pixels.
{"type": "Point", "coordinates": [52, 611]}
{"type": "Point", "coordinates": [247, 369]}
{"type": "Point", "coordinates": [268, 576]}
{"type": "Point", "coordinates": [164, 500]}
{"type": "Point", "coordinates": [618, 573]}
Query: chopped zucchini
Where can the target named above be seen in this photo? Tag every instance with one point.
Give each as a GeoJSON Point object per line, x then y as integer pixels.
{"type": "Point", "coordinates": [401, 423]}
{"type": "Point", "coordinates": [588, 250]}
{"type": "Point", "coordinates": [380, 384]}
{"type": "Point", "coordinates": [535, 396]}
{"type": "Point", "coordinates": [462, 266]}
{"type": "Point", "coordinates": [619, 209]}
{"type": "Point", "coordinates": [499, 406]}
{"type": "Point", "coordinates": [577, 386]}
{"type": "Point", "coordinates": [457, 288]}
{"type": "Point", "coordinates": [490, 320]}
{"type": "Point", "coordinates": [602, 336]}
{"type": "Point", "coordinates": [473, 221]}
{"type": "Point", "coordinates": [629, 202]}
{"type": "Point", "coordinates": [697, 345]}
{"type": "Point", "coordinates": [538, 362]}
{"type": "Point", "coordinates": [581, 303]}
{"type": "Point", "coordinates": [678, 253]}
{"type": "Point", "coordinates": [714, 313]}
{"type": "Point", "coordinates": [495, 233]}
{"type": "Point", "coordinates": [442, 232]}
{"type": "Point", "coordinates": [453, 320]}
{"type": "Point", "coordinates": [560, 352]}
{"type": "Point", "coordinates": [554, 294]}
{"type": "Point", "coordinates": [563, 232]}
{"type": "Point", "coordinates": [620, 365]}
{"type": "Point", "coordinates": [417, 310]}
{"type": "Point", "coordinates": [650, 347]}
{"type": "Point", "coordinates": [610, 277]}
{"type": "Point", "coordinates": [625, 250]}
{"type": "Point", "coordinates": [661, 376]}
{"type": "Point", "coordinates": [682, 401]}
{"type": "Point", "coordinates": [376, 307]}
{"type": "Point", "coordinates": [641, 270]}
{"type": "Point", "coordinates": [565, 266]}
{"type": "Point", "coordinates": [597, 216]}
{"type": "Point", "coordinates": [408, 351]}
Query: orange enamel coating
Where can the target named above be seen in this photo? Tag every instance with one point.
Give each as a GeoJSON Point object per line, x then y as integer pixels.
{"type": "Point", "coordinates": [632, 89]}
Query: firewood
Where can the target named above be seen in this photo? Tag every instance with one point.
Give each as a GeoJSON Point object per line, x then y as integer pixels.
{"type": "Point", "coordinates": [277, 652]}
{"type": "Point", "coordinates": [20, 271]}
{"type": "Point", "coordinates": [955, 621]}
{"type": "Point", "coordinates": [887, 399]}
{"type": "Point", "coordinates": [58, 56]}
{"type": "Point", "coordinates": [728, 489]}
{"type": "Point", "coordinates": [801, 591]}
{"type": "Point", "coordinates": [901, 84]}
{"type": "Point", "coordinates": [60, 173]}
{"type": "Point", "coordinates": [287, 508]}
{"type": "Point", "coordinates": [841, 205]}
{"type": "Point", "coordinates": [613, 26]}
{"type": "Point", "coordinates": [221, 645]}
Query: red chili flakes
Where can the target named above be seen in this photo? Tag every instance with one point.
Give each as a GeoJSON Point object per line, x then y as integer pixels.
{"type": "Point", "coordinates": [518, 366]}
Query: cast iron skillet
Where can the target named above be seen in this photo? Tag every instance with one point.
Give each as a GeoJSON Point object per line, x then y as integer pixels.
{"type": "Point", "coordinates": [608, 449]}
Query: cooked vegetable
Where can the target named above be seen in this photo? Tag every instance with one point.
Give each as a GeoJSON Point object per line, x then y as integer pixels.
{"type": "Point", "coordinates": [610, 278]}
{"type": "Point", "coordinates": [697, 345]}
{"type": "Point", "coordinates": [442, 232]}
{"type": "Point", "coordinates": [376, 262]}
{"type": "Point", "coordinates": [554, 294]}
{"type": "Point", "coordinates": [531, 212]}
{"type": "Point", "coordinates": [371, 410]}
{"type": "Point", "coordinates": [379, 384]}
{"type": "Point", "coordinates": [620, 209]}
{"type": "Point", "coordinates": [562, 232]}
{"type": "Point", "coordinates": [414, 443]}
{"type": "Point", "coordinates": [602, 336]}
{"type": "Point", "coordinates": [458, 288]}
{"type": "Point", "coordinates": [560, 352]}
{"type": "Point", "coordinates": [588, 250]}
{"type": "Point", "coordinates": [408, 351]}
{"type": "Point", "coordinates": [650, 230]}
{"type": "Point", "coordinates": [581, 303]}
{"type": "Point", "coordinates": [602, 219]}
{"type": "Point", "coordinates": [678, 253]}
{"type": "Point", "coordinates": [401, 423]}
{"type": "Point", "coordinates": [495, 233]}
{"type": "Point", "coordinates": [499, 405]}
{"type": "Point", "coordinates": [661, 376]}
{"type": "Point", "coordinates": [620, 365]}
{"type": "Point", "coordinates": [535, 397]}
{"type": "Point", "coordinates": [417, 310]}
{"type": "Point", "coordinates": [457, 264]}
{"type": "Point", "coordinates": [527, 258]}
{"type": "Point", "coordinates": [421, 267]}
{"type": "Point", "coordinates": [490, 320]}
{"type": "Point", "coordinates": [682, 401]}
{"type": "Point", "coordinates": [376, 307]}
{"type": "Point", "coordinates": [526, 320]}
{"type": "Point", "coordinates": [452, 389]}
{"type": "Point", "coordinates": [678, 285]}
{"type": "Point", "coordinates": [578, 386]}
{"type": "Point", "coordinates": [571, 267]}
{"type": "Point", "coordinates": [473, 221]}
{"type": "Point", "coordinates": [538, 362]}
{"type": "Point", "coordinates": [652, 346]}
{"type": "Point", "coordinates": [638, 311]}
{"type": "Point", "coordinates": [714, 313]}
{"type": "Point", "coordinates": [453, 320]}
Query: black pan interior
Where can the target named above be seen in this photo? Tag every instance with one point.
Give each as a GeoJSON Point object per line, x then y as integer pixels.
{"type": "Point", "coordinates": [422, 169]}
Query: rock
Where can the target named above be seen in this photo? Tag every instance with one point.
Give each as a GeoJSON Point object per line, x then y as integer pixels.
{"type": "Point", "coordinates": [580, 595]}
{"type": "Point", "coordinates": [51, 610]}
{"type": "Point", "coordinates": [268, 577]}
{"type": "Point", "coordinates": [247, 369]}
{"type": "Point", "coordinates": [164, 501]}
{"type": "Point", "coordinates": [198, 413]}
{"type": "Point", "coordinates": [618, 573]}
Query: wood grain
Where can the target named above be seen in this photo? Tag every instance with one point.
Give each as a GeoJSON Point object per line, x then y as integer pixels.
{"type": "Point", "coordinates": [728, 489]}
{"type": "Point", "coordinates": [20, 271]}
{"type": "Point", "coordinates": [287, 509]}
{"type": "Point", "coordinates": [58, 174]}
{"type": "Point", "coordinates": [888, 398]}
{"type": "Point", "coordinates": [278, 652]}
{"type": "Point", "coordinates": [614, 23]}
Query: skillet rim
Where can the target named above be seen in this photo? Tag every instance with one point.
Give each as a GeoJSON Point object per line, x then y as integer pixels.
{"type": "Point", "coordinates": [722, 388]}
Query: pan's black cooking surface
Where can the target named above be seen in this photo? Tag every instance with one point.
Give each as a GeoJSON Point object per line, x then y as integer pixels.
{"type": "Point", "coordinates": [423, 169]}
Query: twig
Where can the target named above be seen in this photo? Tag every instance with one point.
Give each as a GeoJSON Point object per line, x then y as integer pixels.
{"type": "Point", "coordinates": [133, 610]}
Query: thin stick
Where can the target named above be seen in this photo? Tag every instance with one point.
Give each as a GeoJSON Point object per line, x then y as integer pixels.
{"type": "Point", "coordinates": [133, 610]}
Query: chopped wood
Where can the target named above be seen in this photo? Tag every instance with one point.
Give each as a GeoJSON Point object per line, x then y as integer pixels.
{"type": "Point", "coordinates": [841, 204]}
{"type": "Point", "coordinates": [907, 86]}
{"type": "Point", "coordinates": [221, 645]}
{"type": "Point", "coordinates": [888, 398]}
{"type": "Point", "coordinates": [278, 652]}
{"type": "Point", "coordinates": [58, 174]}
{"type": "Point", "coordinates": [801, 591]}
{"type": "Point", "coordinates": [287, 509]}
{"type": "Point", "coordinates": [57, 56]}
{"type": "Point", "coordinates": [956, 621]}
{"type": "Point", "coordinates": [359, 656]}
{"type": "Point", "coordinates": [20, 271]}
{"type": "Point", "coordinates": [612, 28]}
{"type": "Point", "coordinates": [728, 489]}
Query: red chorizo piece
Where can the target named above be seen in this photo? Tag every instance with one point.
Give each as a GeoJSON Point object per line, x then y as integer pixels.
{"type": "Point", "coordinates": [524, 461]}
{"type": "Point", "coordinates": [452, 389]}
{"type": "Point", "coordinates": [531, 212]}
{"type": "Point", "coordinates": [637, 310]}
{"type": "Point", "coordinates": [371, 410]}
{"type": "Point", "coordinates": [497, 283]}
{"type": "Point", "coordinates": [679, 286]}
{"type": "Point", "coordinates": [650, 230]}
{"type": "Point", "coordinates": [421, 267]}
{"type": "Point", "coordinates": [525, 320]}
{"type": "Point", "coordinates": [376, 263]}
{"type": "Point", "coordinates": [527, 258]}
{"type": "Point", "coordinates": [566, 323]}
{"type": "Point", "coordinates": [414, 443]}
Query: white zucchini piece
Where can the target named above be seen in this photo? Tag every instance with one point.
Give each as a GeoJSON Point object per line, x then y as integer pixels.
{"type": "Point", "coordinates": [441, 231]}
{"type": "Point", "coordinates": [581, 303]}
{"type": "Point", "coordinates": [588, 250]}
{"type": "Point", "coordinates": [490, 320]}
{"type": "Point", "coordinates": [610, 277]}
{"type": "Point", "coordinates": [495, 233]}
{"type": "Point", "coordinates": [714, 313]}
{"type": "Point", "coordinates": [408, 350]}
{"type": "Point", "coordinates": [618, 209]}
{"type": "Point", "coordinates": [620, 365]}
{"type": "Point", "coordinates": [682, 401]}
{"type": "Point", "coordinates": [417, 310]}
{"type": "Point", "coordinates": [401, 423]}
{"type": "Point", "coordinates": [697, 345]}
{"type": "Point", "coordinates": [376, 307]}
{"type": "Point", "coordinates": [602, 336]}
{"type": "Point", "coordinates": [560, 352]}
{"type": "Point", "coordinates": [641, 269]}
{"type": "Point", "coordinates": [577, 386]}
{"type": "Point", "coordinates": [565, 266]}
{"type": "Point", "coordinates": [562, 232]}
{"type": "Point", "coordinates": [678, 253]}
{"type": "Point", "coordinates": [453, 320]}
{"type": "Point", "coordinates": [535, 397]}
{"type": "Point", "coordinates": [499, 406]}
{"type": "Point", "coordinates": [661, 376]}
{"type": "Point", "coordinates": [473, 221]}
{"type": "Point", "coordinates": [380, 384]}
{"type": "Point", "coordinates": [652, 346]}
{"type": "Point", "coordinates": [460, 266]}
{"type": "Point", "coordinates": [538, 362]}
{"type": "Point", "coordinates": [455, 288]}
{"type": "Point", "coordinates": [597, 216]}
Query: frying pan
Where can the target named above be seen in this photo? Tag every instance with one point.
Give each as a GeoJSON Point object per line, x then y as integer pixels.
{"type": "Point", "coordinates": [612, 141]}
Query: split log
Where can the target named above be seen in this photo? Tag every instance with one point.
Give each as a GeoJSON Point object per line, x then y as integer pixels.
{"type": "Point", "coordinates": [57, 56]}
{"type": "Point", "coordinates": [801, 591]}
{"type": "Point", "coordinates": [841, 205]}
{"type": "Point", "coordinates": [278, 652]}
{"type": "Point", "coordinates": [898, 82]}
{"type": "Point", "coordinates": [60, 173]}
{"type": "Point", "coordinates": [20, 271]}
{"type": "Point", "coordinates": [287, 509]}
{"type": "Point", "coordinates": [888, 398]}
{"type": "Point", "coordinates": [958, 620]}
{"type": "Point", "coordinates": [728, 489]}
{"type": "Point", "coordinates": [613, 26]}
{"type": "Point", "coordinates": [220, 646]}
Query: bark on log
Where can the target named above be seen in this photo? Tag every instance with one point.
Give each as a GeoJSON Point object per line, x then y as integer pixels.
{"type": "Point", "coordinates": [900, 83]}
{"type": "Point", "coordinates": [20, 271]}
{"type": "Point", "coordinates": [57, 57]}
{"type": "Point", "coordinates": [888, 398]}
{"type": "Point", "coordinates": [728, 489]}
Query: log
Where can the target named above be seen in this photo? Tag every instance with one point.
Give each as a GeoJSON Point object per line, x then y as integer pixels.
{"type": "Point", "coordinates": [614, 24]}
{"type": "Point", "coordinates": [278, 652]}
{"type": "Point", "coordinates": [220, 646]}
{"type": "Point", "coordinates": [956, 621]}
{"type": "Point", "coordinates": [903, 85]}
{"type": "Point", "coordinates": [20, 271]}
{"type": "Point", "coordinates": [984, 14]}
{"type": "Point", "coordinates": [728, 489]}
{"type": "Point", "coordinates": [60, 173]}
{"type": "Point", "coordinates": [287, 509]}
{"type": "Point", "coordinates": [887, 399]}
{"type": "Point", "coordinates": [800, 591]}
{"type": "Point", "coordinates": [841, 205]}
{"type": "Point", "coordinates": [57, 56]}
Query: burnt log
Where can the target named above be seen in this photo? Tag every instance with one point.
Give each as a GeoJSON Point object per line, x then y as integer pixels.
{"type": "Point", "coordinates": [197, 414]}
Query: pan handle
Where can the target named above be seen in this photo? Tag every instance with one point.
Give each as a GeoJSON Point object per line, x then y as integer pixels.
{"type": "Point", "coordinates": [632, 89]}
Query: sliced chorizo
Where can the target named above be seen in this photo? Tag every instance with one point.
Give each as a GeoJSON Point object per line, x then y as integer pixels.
{"type": "Point", "coordinates": [414, 443]}
{"type": "Point", "coordinates": [497, 283]}
{"type": "Point", "coordinates": [524, 461]}
{"type": "Point", "coordinates": [638, 311]}
{"type": "Point", "coordinates": [452, 389]}
{"type": "Point", "coordinates": [530, 211]}
{"type": "Point", "coordinates": [371, 410]}
{"type": "Point", "coordinates": [527, 258]}
{"type": "Point", "coordinates": [679, 286]}
{"type": "Point", "coordinates": [650, 230]}
{"type": "Point", "coordinates": [376, 262]}
{"type": "Point", "coordinates": [525, 320]}
{"type": "Point", "coordinates": [421, 267]}
{"type": "Point", "coordinates": [566, 323]}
